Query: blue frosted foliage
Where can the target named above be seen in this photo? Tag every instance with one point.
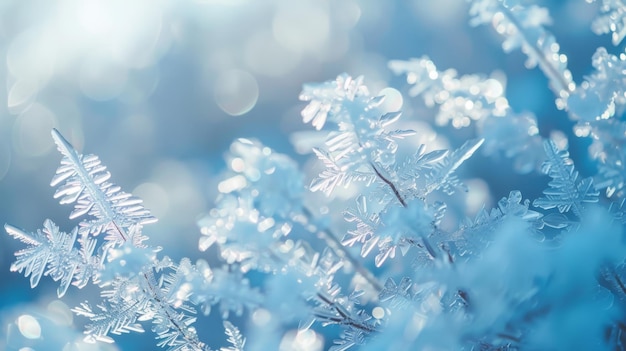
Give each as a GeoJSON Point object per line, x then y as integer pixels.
{"type": "Point", "coordinates": [377, 242]}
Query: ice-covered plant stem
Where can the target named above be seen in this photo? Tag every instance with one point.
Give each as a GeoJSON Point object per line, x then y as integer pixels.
{"type": "Point", "coordinates": [107, 247]}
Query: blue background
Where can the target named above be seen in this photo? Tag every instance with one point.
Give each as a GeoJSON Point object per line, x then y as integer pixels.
{"type": "Point", "coordinates": [149, 85]}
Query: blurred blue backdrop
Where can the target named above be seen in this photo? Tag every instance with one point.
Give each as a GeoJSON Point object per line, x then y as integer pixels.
{"type": "Point", "coordinates": [159, 88]}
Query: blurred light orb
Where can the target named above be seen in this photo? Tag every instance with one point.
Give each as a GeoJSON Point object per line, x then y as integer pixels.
{"type": "Point", "coordinates": [231, 184]}
{"type": "Point", "coordinates": [29, 326]}
{"type": "Point", "coordinates": [493, 88]}
{"type": "Point", "coordinates": [60, 313]}
{"type": "Point", "coordinates": [478, 196]}
{"type": "Point", "coordinates": [560, 139]}
{"type": "Point", "coordinates": [306, 340]}
{"type": "Point", "coordinates": [31, 131]}
{"type": "Point", "coordinates": [22, 95]}
{"type": "Point", "coordinates": [236, 92]}
{"type": "Point", "coordinates": [261, 317]}
{"type": "Point", "coordinates": [378, 312]}
{"type": "Point", "coordinates": [301, 26]}
{"type": "Point", "coordinates": [393, 100]}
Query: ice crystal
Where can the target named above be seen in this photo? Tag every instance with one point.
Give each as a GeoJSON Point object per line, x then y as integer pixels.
{"type": "Point", "coordinates": [52, 253]}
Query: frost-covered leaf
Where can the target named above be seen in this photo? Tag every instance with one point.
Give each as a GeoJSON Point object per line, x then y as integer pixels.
{"type": "Point", "coordinates": [261, 196]}
{"type": "Point", "coordinates": [112, 318]}
{"type": "Point", "coordinates": [332, 308]}
{"type": "Point", "coordinates": [523, 27]}
{"type": "Point", "coordinates": [398, 294]}
{"type": "Point", "coordinates": [229, 290]}
{"type": "Point", "coordinates": [601, 96]}
{"type": "Point", "coordinates": [397, 227]}
{"type": "Point", "coordinates": [236, 340]}
{"type": "Point", "coordinates": [52, 252]}
{"type": "Point", "coordinates": [460, 100]}
{"type": "Point", "coordinates": [474, 99]}
{"type": "Point", "coordinates": [326, 99]}
{"type": "Point", "coordinates": [566, 192]}
{"type": "Point", "coordinates": [517, 137]}
{"type": "Point", "coordinates": [475, 234]}
{"type": "Point", "coordinates": [358, 146]}
{"type": "Point", "coordinates": [335, 175]}
{"type": "Point", "coordinates": [442, 176]}
{"type": "Point", "coordinates": [145, 297]}
{"type": "Point", "coordinates": [83, 180]}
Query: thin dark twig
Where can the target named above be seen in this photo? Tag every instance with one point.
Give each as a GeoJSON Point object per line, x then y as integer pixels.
{"type": "Point", "coordinates": [391, 185]}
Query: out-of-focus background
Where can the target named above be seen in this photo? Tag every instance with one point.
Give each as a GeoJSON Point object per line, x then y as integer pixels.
{"type": "Point", "coordinates": [159, 89]}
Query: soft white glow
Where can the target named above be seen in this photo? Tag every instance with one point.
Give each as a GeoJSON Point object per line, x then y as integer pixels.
{"type": "Point", "coordinates": [261, 317]}
{"type": "Point", "coordinates": [393, 100]}
{"type": "Point", "coordinates": [301, 26]}
{"type": "Point", "coordinates": [60, 313]}
{"type": "Point", "coordinates": [29, 326]}
{"type": "Point", "coordinates": [306, 340]}
{"type": "Point", "coordinates": [232, 184]}
{"type": "Point", "coordinates": [378, 312]}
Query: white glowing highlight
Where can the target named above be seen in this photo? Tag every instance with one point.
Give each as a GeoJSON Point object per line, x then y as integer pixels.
{"type": "Point", "coordinates": [29, 326]}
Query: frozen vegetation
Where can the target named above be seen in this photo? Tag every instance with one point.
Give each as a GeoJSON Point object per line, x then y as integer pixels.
{"type": "Point", "coordinates": [373, 240]}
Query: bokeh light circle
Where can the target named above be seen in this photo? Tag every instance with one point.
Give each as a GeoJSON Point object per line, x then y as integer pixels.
{"type": "Point", "coordinates": [236, 92]}
{"type": "Point", "coordinates": [29, 326]}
